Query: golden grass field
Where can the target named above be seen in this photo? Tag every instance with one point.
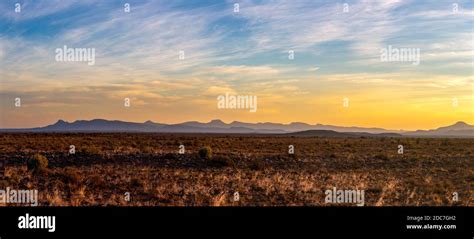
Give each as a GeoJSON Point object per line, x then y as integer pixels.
{"type": "Point", "coordinates": [107, 165]}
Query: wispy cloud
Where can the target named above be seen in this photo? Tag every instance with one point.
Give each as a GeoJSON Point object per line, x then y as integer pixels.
{"type": "Point", "coordinates": [137, 54]}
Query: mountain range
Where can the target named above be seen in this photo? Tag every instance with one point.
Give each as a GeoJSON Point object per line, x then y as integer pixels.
{"type": "Point", "coordinates": [459, 129]}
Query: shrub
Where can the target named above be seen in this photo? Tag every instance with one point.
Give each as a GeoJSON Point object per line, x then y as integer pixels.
{"type": "Point", "coordinates": [96, 181]}
{"type": "Point", "coordinates": [92, 150]}
{"type": "Point", "coordinates": [205, 152]}
{"type": "Point", "coordinates": [69, 177]}
{"type": "Point", "coordinates": [257, 165]}
{"type": "Point", "coordinates": [37, 163]}
{"type": "Point", "coordinates": [221, 161]}
{"type": "Point", "coordinates": [137, 183]}
{"type": "Point", "coordinates": [171, 156]}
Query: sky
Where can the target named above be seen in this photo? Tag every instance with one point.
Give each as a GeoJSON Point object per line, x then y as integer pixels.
{"type": "Point", "coordinates": [336, 76]}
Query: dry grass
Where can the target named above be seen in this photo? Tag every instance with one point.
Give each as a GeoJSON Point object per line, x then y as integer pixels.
{"type": "Point", "coordinates": [148, 166]}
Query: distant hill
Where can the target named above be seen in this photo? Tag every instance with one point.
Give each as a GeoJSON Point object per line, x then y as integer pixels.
{"type": "Point", "coordinates": [322, 133]}
{"type": "Point", "coordinates": [298, 126]}
{"type": "Point", "coordinates": [101, 125]}
{"type": "Point", "coordinates": [332, 133]}
{"type": "Point", "coordinates": [460, 129]}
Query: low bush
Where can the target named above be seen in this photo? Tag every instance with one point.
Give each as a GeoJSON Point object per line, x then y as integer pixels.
{"type": "Point", "coordinates": [37, 163]}
{"type": "Point", "coordinates": [205, 152]}
{"type": "Point", "coordinates": [221, 162]}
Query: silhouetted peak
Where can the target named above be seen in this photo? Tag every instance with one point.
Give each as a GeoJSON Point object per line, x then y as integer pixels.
{"type": "Point", "coordinates": [460, 123]}
{"type": "Point", "coordinates": [216, 121]}
{"type": "Point", "coordinates": [60, 122]}
{"type": "Point", "coordinates": [298, 123]}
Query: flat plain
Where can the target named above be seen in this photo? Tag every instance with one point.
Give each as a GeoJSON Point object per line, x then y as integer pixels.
{"type": "Point", "coordinates": [107, 167]}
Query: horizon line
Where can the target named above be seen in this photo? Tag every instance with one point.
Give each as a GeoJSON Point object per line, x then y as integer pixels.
{"type": "Point", "coordinates": [289, 123]}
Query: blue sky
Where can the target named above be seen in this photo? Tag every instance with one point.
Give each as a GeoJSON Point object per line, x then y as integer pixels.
{"type": "Point", "coordinates": [337, 54]}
